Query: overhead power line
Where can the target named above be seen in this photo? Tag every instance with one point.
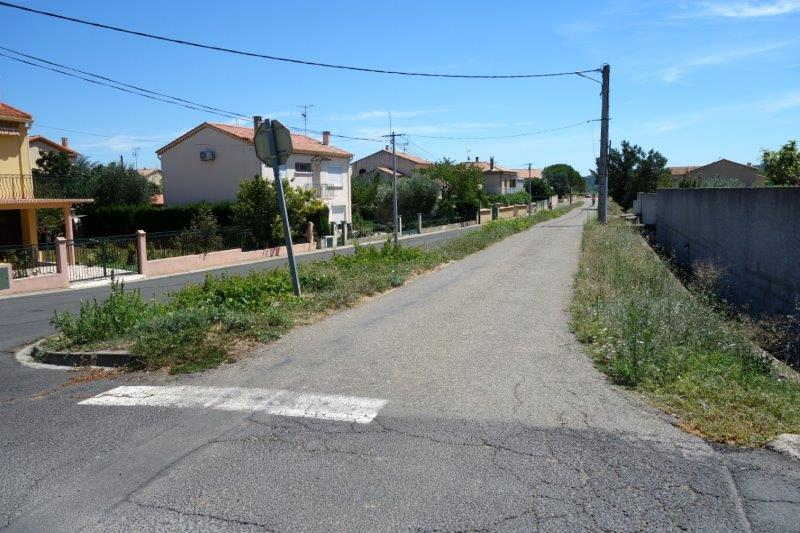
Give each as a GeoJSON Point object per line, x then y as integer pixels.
{"type": "Point", "coordinates": [288, 59]}
{"type": "Point", "coordinates": [46, 127]}
{"type": "Point", "coordinates": [97, 79]}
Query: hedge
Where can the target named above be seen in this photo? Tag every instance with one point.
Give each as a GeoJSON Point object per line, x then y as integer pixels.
{"type": "Point", "coordinates": [125, 219]}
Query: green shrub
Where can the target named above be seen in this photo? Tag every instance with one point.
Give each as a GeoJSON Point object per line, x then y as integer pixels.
{"type": "Point", "coordinates": [96, 321]}
{"type": "Point", "coordinates": [514, 198]}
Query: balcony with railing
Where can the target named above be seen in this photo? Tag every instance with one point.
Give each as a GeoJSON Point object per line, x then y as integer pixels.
{"type": "Point", "coordinates": [16, 186]}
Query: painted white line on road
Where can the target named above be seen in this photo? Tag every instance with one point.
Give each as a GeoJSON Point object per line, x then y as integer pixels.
{"type": "Point", "coordinates": [275, 402]}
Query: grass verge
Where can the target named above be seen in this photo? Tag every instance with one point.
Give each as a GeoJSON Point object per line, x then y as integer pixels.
{"type": "Point", "coordinates": [649, 333]}
{"type": "Point", "coordinates": [198, 326]}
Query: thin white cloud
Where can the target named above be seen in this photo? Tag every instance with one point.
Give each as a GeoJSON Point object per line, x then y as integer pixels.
{"type": "Point", "coordinates": [383, 114]}
{"type": "Point", "coordinates": [750, 9]}
{"type": "Point", "coordinates": [674, 73]}
{"type": "Point", "coordinates": [776, 104]}
{"type": "Point", "coordinates": [781, 103]}
{"type": "Point", "coordinates": [438, 129]}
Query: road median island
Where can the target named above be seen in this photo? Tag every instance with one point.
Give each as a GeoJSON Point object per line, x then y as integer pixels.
{"type": "Point", "coordinates": [647, 332]}
{"type": "Point", "coordinates": [204, 325]}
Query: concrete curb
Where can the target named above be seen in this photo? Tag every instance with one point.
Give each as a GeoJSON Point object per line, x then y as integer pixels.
{"type": "Point", "coordinates": [33, 356]}
{"type": "Point", "coordinates": [102, 358]}
{"type": "Point", "coordinates": [787, 444]}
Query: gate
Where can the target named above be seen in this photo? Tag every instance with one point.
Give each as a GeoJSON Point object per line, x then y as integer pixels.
{"type": "Point", "coordinates": [102, 257]}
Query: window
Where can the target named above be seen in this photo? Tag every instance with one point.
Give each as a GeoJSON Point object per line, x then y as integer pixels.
{"type": "Point", "coordinates": [512, 184]}
{"type": "Point", "coordinates": [302, 167]}
{"type": "Point", "coordinates": [338, 209]}
{"type": "Point", "coordinates": [334, 176]}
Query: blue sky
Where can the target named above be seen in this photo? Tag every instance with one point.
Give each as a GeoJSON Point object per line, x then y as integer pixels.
{"type": "Point", "coordinates": [695, 80]}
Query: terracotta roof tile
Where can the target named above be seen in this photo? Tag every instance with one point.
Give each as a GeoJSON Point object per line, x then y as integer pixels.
{"type": "Point", "coordinates": [52, 144]}
{"type": "Point", "coordinates": [300, 143]}
{"type": "Point", "coordinates": [535, 173]}
{"type": "Point", "coordinates": [6, 111]}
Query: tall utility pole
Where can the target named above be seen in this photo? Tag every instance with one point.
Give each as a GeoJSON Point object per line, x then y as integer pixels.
{"type": "Point", "coordinates": [304, 114]}
{"type": "Point", "coordinates": [394, 186]}
{"type": "Point", "coordinates": [602, 199]}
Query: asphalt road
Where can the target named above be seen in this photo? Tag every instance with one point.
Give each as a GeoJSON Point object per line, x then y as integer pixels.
{"type": "Point", "coordinates": [494, 420]}
{"type": "Point", "coordinates": [24, 319]}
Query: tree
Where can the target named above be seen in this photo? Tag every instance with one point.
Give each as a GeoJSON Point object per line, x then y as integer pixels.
{"type": "Point", "coordinates": [631, 171]}
{"type": "Point", "coordinates": [461, 188]}
{"type": "Point", "coordinates": [114, 184]}
{"type": "Point", "coordinates": [539, 189]}
{"type": "Point", "coordinates": [364, 190]}
{"type": "Point", "coordinates": [782, 167]}
{"type": "Point", "coordinates": [563, 179]}
{"type": "Point", "coordinates": [256, 210]}
{"type": "Point", "coordinates": [415, 194]}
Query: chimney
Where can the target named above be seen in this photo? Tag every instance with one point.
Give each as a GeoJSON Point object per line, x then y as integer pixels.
{"type": "Point", "coordinates": [491, 163]}
{"type": "Point", "coordinates": [256, 122]}
{"type": "Point", "coordinates": [476, 159]}
{"type": "Point", "coordinates": [326, 138]}
{"type": "Point", "coordinates": [64, 142]}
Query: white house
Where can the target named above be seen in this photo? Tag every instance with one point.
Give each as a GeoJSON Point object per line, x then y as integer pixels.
{"type": "Point", "coordinates": [208, 162]}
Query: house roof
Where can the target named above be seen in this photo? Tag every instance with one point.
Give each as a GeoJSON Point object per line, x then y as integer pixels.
{"type": "Point", "coordinates": [411, 157]}
{"type": "Point", "coordinates": [52, 144]}
{"type": "Point", "coordinates": [8, 112]}
{"type": "Point", "coordinates": [145, 172]}
{"type": "Point", "coordinates": [301, 144]}
{"type": "Point", "coordinates": [535, 173]}
{"type": "Point", "coordinates": [484, 166]}
{"type": "Point", "coordinates": [387, 170]}
{"type": "Point", "coordinates": [681, 171]}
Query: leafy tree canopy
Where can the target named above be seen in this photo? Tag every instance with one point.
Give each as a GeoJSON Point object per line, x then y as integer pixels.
{"type": "Point", "coordinates": [631, 170]}
{"type": "Point", "coordinates": [461, 188]}
{"type": "Point", "coordinates": [782, 166]}
{"type": "Point", "coordinates": [539, 189]}
{"type": "Point", "coordinates": [563, 179]}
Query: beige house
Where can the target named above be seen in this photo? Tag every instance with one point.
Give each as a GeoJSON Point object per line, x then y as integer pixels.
{"type": "Point", "coordinates": [747, 175]}
{"type": "Point", "coordinates": [528, 173]}
{"type": "Point", "coordinates": [153, 175]}
{"type": "Point", "coordinates": [381, 162]}
{"type": "Point", "coordinates": [39, 145]}
{"type": "Point", "coordinates": [208, 162]}
{"type": "Point", "coordinates": [496, 179]}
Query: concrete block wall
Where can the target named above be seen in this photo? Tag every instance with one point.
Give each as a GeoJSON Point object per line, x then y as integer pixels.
{"type": "Point", "coordinates": [648, 207]}
{"type": "Point", "coordinates": [751, 235]}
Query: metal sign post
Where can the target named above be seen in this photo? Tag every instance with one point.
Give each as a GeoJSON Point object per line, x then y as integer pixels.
{"type": "Point", "coordinates": [273, 144]}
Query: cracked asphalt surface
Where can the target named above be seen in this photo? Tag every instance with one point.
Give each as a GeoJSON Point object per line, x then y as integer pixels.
{"type": "Point", "coordinates": [495, 421]}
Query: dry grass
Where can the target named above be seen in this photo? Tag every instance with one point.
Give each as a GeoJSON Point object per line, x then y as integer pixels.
{"type": "Point", "coordinates": [647, 332]}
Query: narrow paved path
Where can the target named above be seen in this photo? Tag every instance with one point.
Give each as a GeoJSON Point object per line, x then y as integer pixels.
{"type": "Point", "coordinates": [493, 420]}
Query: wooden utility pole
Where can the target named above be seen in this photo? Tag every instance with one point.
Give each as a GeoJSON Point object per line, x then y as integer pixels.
{"type": "Point", "coordinates": [602, 199]}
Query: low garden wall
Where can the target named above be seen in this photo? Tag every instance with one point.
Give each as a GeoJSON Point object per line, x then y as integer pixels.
{"type": "Point", "coordinates": [44, 282]}
{"type": "Point", "coordinates": [188, 263]}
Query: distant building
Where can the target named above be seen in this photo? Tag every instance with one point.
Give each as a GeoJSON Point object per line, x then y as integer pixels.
{"type": "Point", "coordinates": [498, 180]}
{"type": "Point", "coordinates": [153, 175]}
{"type": "Point", "coordinates": [39, 145]}
{"type": "Point", "coordinates": [724, 169]}
{"type": "Point", "coordinates": [208, 162]}
{"type": "Point", "coordinates": [381, 162]}
{"type": "Point", "coordinates": [532, 173]}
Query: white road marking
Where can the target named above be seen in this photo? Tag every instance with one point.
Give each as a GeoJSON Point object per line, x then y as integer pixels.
{"type": "Point", "coordinates": [275, 402]}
